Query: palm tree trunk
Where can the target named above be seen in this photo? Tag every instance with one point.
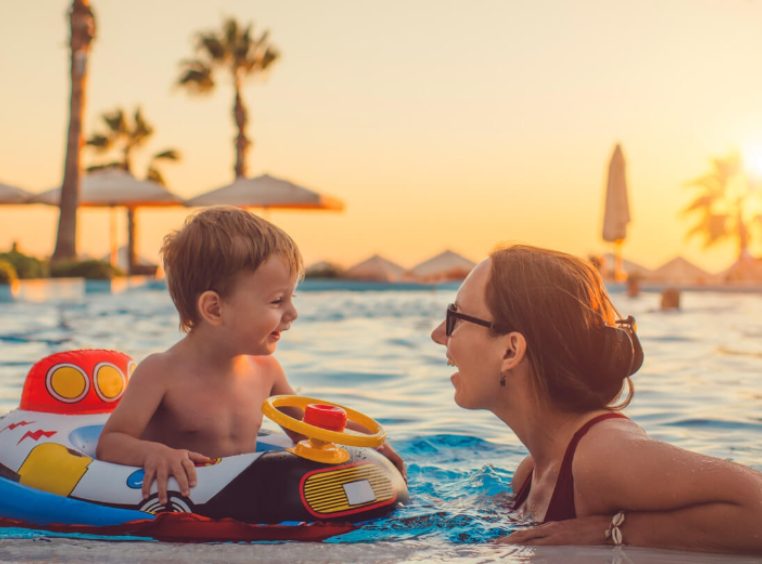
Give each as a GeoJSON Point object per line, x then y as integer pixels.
{"type": "Point", "coordinates": [82, 26]}
{"type": "Point", "coordinates": [242, 143]}
{"type": "Point", "coordinates": [743, 233]}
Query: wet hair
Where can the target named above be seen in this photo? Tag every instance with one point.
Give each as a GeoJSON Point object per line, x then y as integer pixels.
{"type": "Point", "coordinates": [582, 356]}
{"type": "Point", "coordinates": [212, 248]}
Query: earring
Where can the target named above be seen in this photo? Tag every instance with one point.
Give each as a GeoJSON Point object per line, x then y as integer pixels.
{"type": "Point", "coordinates": [502, 380]}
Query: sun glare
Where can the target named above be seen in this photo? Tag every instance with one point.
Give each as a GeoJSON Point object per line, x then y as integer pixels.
{"type": "Point", "coordinates": [752, 159]}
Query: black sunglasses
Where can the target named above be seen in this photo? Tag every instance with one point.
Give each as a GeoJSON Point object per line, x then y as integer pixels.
{"type": "Point", "coordinates": [453, 315]}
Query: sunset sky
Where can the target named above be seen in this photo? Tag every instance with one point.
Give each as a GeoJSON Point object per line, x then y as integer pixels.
{"type": "Point", "coordinates": [441, 124]}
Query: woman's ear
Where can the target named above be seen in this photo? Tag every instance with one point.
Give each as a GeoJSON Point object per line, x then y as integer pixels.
{"type": "Point", "coordinates": [209, 307]}
{"type": "Point", "coordinates": [515, 346]}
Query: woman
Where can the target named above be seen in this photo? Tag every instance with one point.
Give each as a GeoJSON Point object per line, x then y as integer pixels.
{"type": "Point", "coordinates": [536, 340]}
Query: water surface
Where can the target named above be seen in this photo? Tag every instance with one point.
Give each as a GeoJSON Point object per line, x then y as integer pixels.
{"type": "Point", "coordinates": [699, 388]}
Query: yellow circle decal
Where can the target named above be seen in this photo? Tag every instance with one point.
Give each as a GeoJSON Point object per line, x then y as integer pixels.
{"type": "Point", "coordinates": [68, 383]}
{"type": "Point", "coordinates": [109, 381]}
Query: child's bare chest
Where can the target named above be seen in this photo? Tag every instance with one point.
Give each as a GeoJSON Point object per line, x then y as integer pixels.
{"type": "Point", "coordinates": [216, 420]}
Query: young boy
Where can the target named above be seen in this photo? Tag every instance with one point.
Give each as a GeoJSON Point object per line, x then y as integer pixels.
{"type": "Point", "coordinates": [231, 276]}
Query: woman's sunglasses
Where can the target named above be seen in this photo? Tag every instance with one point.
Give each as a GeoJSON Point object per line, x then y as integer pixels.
{"type": "Point", "coordinates": [454, 315]}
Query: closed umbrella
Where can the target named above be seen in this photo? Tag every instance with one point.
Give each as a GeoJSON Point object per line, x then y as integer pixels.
{"type": "Point", "coordinates": [112, 188]}
{"type": "Point", "coordinates": [267, 192]}
{"type": "Point", "coordinates": [616, 214]}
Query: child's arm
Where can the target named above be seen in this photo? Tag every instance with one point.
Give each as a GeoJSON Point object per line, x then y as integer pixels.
{"type": "Point", "coordinates": [120, 440]}
{"type": "Point", "coordinates": [282, 387]}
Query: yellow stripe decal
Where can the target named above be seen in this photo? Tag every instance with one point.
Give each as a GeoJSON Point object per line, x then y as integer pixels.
{"type": "Point", "coordinates": [324, 491]}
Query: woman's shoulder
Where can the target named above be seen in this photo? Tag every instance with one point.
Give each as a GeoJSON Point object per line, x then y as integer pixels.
{"type": "Point", "coordinates": [609, 437]}
{"type": "Point", "coordinates": [523, 471]}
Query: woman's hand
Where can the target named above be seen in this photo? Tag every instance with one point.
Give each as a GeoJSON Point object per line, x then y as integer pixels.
{"type": "Point", "coordinates": [582, 530]}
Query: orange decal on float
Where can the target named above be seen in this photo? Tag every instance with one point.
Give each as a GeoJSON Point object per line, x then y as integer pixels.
{"type": "Point", "coordinates": [12, 426]}
{"type": "Point", "coordinates": [109, 381]}
{"type": "Point", "coordinates": [36, 435]}
{"type": "Point", "coordinates": [67, 383]}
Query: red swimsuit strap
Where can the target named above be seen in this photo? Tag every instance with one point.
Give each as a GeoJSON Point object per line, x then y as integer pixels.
{"type": "Point", "coordinates": [561, 505]}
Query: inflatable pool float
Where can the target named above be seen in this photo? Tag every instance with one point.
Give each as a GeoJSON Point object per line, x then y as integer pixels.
{"type": "Point", "coordinates": [50, 478]}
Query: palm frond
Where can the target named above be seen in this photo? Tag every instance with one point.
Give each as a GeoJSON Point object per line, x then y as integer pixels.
{"type": "Point", "coordinates": [106, 166]}
{"type": "Point", "coordinates": [701, 203]}
{"type": "Point", "coordinates": [209, 44]}
{"type": "Point", "coordinates": [141, 130]}
{"type": "Point", "coordinates": [115, 121]}
{"type": "Point", "coordinates": [196, 77]}
{"type": "Point", "coordinates": [242, 48]}
{"type": "Point", "coordinates": [153, 174]}
{"type": "Point", "coordinates": [230, 31]}
{"type": "Point", "coordinates": [101, 143]}
{"type": "Point", "coordinates": [168, 155]}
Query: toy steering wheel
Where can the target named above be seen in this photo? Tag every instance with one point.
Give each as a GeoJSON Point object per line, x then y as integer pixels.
{"type": "Point", "coordinates": [329, 418]}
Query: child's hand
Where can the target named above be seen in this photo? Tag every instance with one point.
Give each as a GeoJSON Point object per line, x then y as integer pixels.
{"type": "Point", "coordinates": [387, 450]}
{"type": "Point", "coordinates": [162, 462]}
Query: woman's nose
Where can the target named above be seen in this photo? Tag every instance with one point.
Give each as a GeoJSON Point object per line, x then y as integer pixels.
{"type": "Point", "coordinates": [438, 334]}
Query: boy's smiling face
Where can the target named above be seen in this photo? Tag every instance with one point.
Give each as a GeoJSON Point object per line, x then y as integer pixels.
{"type": "Point", "coordinates": [260, 307]}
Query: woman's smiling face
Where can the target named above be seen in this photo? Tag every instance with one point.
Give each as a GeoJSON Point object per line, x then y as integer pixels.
{"type": "Point", "coordinates": [473, 349]}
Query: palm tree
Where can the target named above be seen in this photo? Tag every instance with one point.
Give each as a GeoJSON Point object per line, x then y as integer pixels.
{"type": "Point", "coordinates": [236, 50]}
{"type": "Point", "coordinates": [125, 137]}
{"type": "Point", "coordinates": [722, 205]}
{"type": "Point", "coordinates": [82, 33]}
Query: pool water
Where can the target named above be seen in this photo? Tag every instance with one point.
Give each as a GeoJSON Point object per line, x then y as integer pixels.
{"type": "Point", "coordinates": [699, 388]}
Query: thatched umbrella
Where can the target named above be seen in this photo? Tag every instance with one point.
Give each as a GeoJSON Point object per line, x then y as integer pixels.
{"type": "Point", "coordinates": [114, 188]}
{"type": "Point", "coordinates": [377, 269]}
{"type": "Point", "coordinates": [267, 192]}
{"type": "Point", "coordinates": [447, 265]}
{"type": "Point", "coordinates": [11, 195]}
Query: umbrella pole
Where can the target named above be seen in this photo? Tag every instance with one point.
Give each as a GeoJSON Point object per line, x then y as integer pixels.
{"type": "Point", "coordinates": [619, 274]}
{"type": "Point", "coordinates": [112, 237]}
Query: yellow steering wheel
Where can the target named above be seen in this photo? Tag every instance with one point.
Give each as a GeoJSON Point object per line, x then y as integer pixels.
{"type": "Point", "coordinates": [319, 445]}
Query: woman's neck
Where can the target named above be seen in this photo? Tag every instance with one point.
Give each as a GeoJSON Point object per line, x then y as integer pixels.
{"type": "Point", "coordinates": [544, 430]}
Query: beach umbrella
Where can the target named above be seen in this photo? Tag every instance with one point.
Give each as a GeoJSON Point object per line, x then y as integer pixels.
{"type": "Point", "coordinates": [10, 195]}
{"type": "Point", "coordinates": [447, 265]}
{"type": "Point", "coordinates": [376, 268]}
{"type": "Point", "coordinates": [616, 213]}
{"type": "Point", "coordinates": [267, 192]}
{"type": "Point", "coordinates": [681, 271]}
{"type": "Point", "coordinates": [746, 270]}
{"type": "Point", "coordinates": [114, 188]}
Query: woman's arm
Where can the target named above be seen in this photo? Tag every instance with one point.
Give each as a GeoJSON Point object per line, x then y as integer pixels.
{"type": "Point", "coordinates": [708, 528]}
{"type": "Point", "coordinates": [672, 498]}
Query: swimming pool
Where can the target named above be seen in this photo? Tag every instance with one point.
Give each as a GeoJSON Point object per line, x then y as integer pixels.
{"type": "Point", "coordinates": [699, 388]}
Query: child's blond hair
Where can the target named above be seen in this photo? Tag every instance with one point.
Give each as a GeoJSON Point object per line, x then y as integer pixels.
{"type": "Point", "coordinates": [212, 248]}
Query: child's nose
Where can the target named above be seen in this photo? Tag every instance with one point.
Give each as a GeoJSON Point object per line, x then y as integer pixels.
{"type": "Point", "coordinates": [438, 334]}
{"type": "Point", "coordinates": [292, 313]}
